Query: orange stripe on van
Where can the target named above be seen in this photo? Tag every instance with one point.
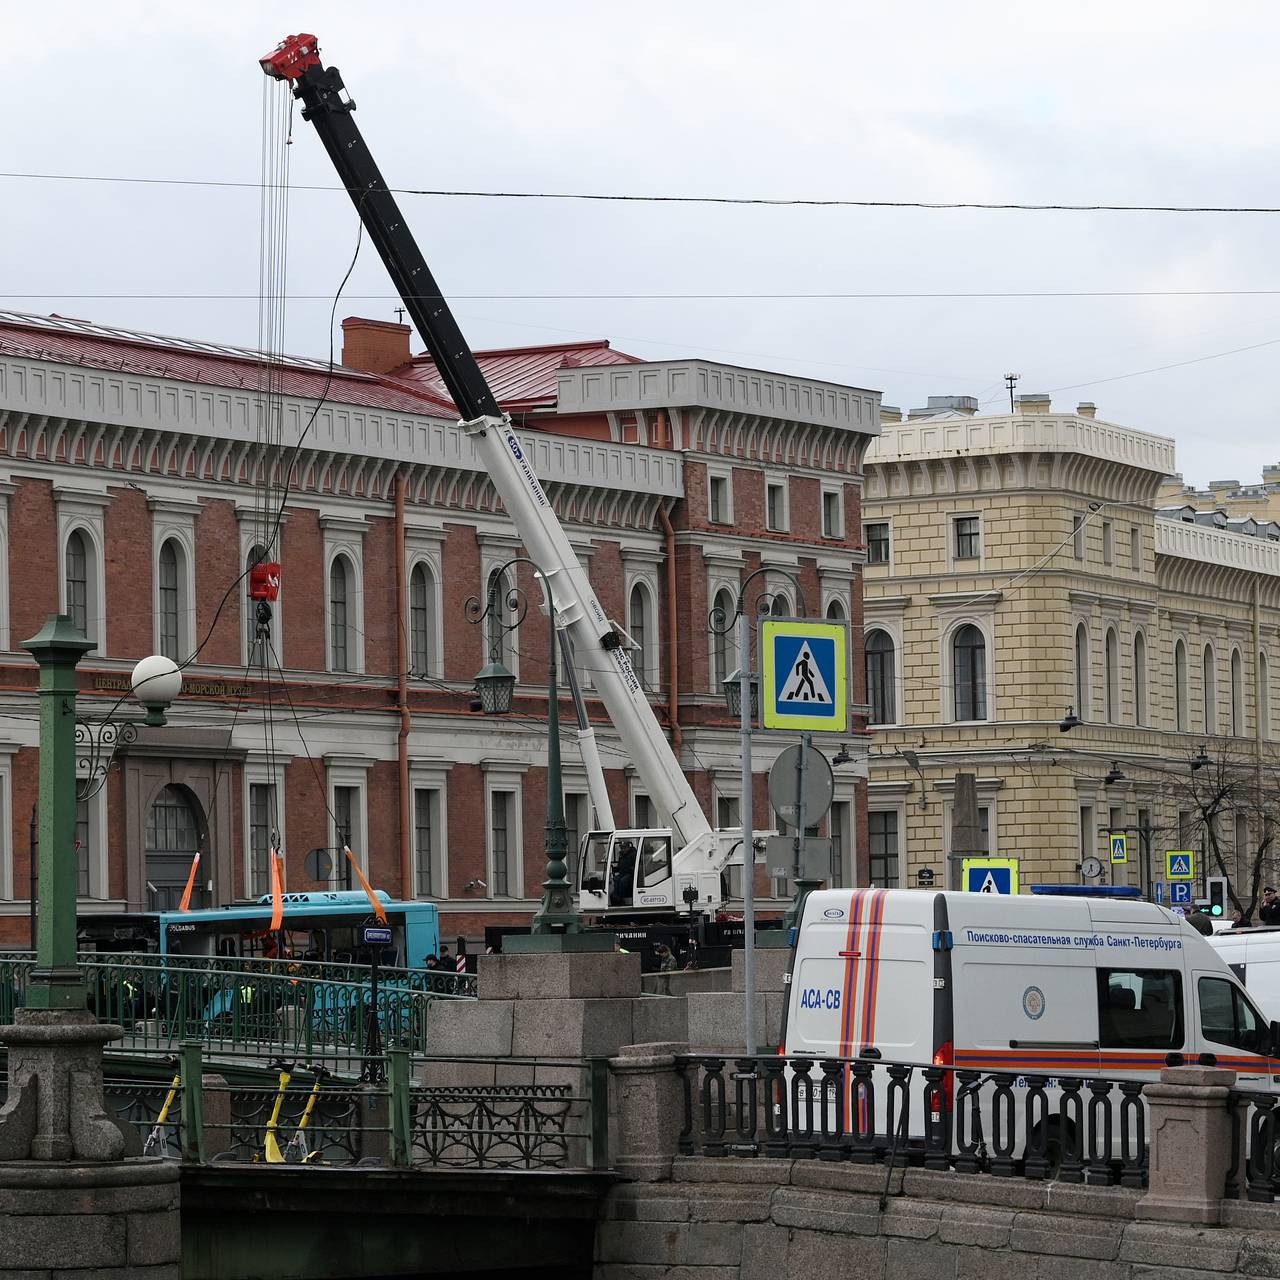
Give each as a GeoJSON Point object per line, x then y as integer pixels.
{"type": "Point", "coordinates": [850, 973]}
{"type": "Point", "coordinates": [871, 977]}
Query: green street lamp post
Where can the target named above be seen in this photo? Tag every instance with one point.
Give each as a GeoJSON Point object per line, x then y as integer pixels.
{"type": "Point", "coordinates": [556, 925]}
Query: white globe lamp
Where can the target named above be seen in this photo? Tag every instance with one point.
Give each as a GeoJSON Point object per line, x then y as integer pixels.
{"type": "Point", "coordinates": [156, 681]}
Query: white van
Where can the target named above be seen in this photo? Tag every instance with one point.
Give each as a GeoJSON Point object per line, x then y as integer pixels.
{"type": "Point", "coordinates": [1254, 957]}
{"type": "Point", "coordinates": [1042, 986]}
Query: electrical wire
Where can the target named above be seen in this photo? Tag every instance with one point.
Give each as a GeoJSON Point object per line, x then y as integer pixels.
{"type": "Point", "coordinates": [634, 198]}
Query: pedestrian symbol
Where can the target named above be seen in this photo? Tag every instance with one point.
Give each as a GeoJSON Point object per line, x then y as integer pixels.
{"type": "Point", "coordinates": [804, 664]}
{"type": "Point", "coordinates": [804, 682]}
{"type": "Point", "coordinates": [1180, 864]}
{"type": "Point", "coordinates": [989, 875]}
{"type": "Point", "coordinates": [1119, 847]}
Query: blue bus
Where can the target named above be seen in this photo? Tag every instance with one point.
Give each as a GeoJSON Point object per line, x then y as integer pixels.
{"type": "Point", "coordinates": [325, 927]}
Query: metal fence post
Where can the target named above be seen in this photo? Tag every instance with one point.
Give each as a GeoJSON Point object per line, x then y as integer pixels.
{"type": "Point", "coordinates": [191, 1069]}
{"type": "Point", "coordinates": [401, 1117]}
{"type": "Point", "coordinates": [598, 1107]}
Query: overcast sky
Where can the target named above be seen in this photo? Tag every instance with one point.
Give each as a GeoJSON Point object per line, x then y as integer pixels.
{"type": "Point", "coordinates": [1092, 103]}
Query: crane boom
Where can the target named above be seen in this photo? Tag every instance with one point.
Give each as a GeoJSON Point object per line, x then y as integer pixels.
{"type": "Point", "coordinates": [319, 88]}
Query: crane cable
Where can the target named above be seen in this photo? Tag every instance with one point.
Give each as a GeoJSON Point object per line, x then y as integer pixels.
{"type": "Point", "coordinates": [273, 239]}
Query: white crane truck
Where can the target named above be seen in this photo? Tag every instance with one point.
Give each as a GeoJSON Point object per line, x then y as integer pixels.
{"type": "Point", "coordinates": [654, 873]}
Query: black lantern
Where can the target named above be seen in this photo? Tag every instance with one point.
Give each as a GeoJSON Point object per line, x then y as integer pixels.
{"type": "Point", "coordinates": [495, 685]}
{"type": "Point", "coordinates": [732, 687]}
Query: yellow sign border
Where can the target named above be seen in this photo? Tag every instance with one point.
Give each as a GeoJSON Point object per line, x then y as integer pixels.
{"type": "Point", "coordinates": [991, 864]}
{"type": "Point", "coordinates": [1190, 855]}
{"type": "Point", "coordinates": [805, 628]}
{"type": "Point", "coordinates": [1123, 837]}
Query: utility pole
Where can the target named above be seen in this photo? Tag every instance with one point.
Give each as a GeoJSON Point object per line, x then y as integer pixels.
{"type": "Point", "coordinates": [1011, 381]}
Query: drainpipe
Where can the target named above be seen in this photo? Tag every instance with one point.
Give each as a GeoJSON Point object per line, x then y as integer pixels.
{"type": "Point", "coordinates": [673, 689]}
{"type": "Point", "coordinates": [402, 696]}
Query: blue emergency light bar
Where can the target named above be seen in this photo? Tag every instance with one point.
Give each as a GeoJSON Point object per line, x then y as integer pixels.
{"type": "Point", "coordinates": [1087, 890]}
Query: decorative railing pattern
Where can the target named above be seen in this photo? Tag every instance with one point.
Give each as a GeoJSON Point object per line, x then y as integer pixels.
{"type": "Point", "coordinates": [869, 1111]}
{"type": "Point", "coordinates": [297, 1010]}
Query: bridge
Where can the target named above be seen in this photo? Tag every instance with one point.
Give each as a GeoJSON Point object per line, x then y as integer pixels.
{"type": "Point", "coordinates": [634, 1159]}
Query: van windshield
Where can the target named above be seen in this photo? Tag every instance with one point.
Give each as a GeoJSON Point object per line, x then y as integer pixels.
{"type": "Point", "coordinates": [1140, 1009]}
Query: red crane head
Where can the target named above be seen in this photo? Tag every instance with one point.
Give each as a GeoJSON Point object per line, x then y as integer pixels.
{"type": "Point", "coordinates": [291, 57]}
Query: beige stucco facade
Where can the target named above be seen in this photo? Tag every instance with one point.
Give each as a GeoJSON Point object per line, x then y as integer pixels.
{"type": "Point", "coordinates": [1070, 556]}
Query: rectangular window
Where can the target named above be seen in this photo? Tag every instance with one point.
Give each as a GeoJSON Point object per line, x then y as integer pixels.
{"type": "Point", "coordinates": [642, 809]}
{"type": "Point", "coordinates": [1088, 832]}
{"type": "Point", "coordinates": [832, 514]}
{"type": "Point", "coordinates": [1226, 1017]}
{"type": "Point", "coordinates": [968, 544]}
{"type": "Point", "coordinates": [718, 499]}
{"type": "Point", "coordinates": [500, 842]}
{"type": "Point", "coordinates": [1140, 1009]}
{"type": "Point", "coordinates": [877, 538]}
{"type": "Point", "coordinates": [575, 827]}
{"type": "Point", "coordinates": [775, 496]}
{"type": "Point", "coordinates": [424, 812]}
{"type": "Point", "coordinates": [1135, 547]}
{"type": "Point", "coordinates": [1077, 536]}
{"type": "Point", "coordinates": [262, 803]}
{"type": "Point", "coordinates": [729, 816]}
{"type": "Point", "coordinates": [168, 584]}
{"type": "Point", "coordinates": [1241, 838]}
{"type": "Point", "coordinates": [883, 848]}
{"type": "Point", "coordinates": [840, 825]}
{"type": "Point", "coordinates": [1108, 542]}
{"type": "Point", "coordinates": [82, 848]}
{"type": "Point", "coordinates": [344, 809]}
{"type": "Point", "coordinates": [1185, 824]}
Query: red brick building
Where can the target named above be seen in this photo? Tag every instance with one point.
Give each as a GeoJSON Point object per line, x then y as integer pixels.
{"type": "Point", "coordinates": [140, 473]}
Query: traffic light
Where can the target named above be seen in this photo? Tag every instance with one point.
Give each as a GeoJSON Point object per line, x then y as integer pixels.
{"type": "Point", "coordinates": [1217, 887]}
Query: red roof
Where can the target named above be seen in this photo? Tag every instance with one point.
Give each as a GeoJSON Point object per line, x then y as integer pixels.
{"type": "Point", "coordinates": [67, 341]}
{"type": "Point", "coordinates": [521, 378]}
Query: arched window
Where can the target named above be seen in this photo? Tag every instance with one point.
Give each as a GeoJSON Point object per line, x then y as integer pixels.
{"type": "Point", "coordinates": [722, 646]}
{"type": "Point", "coordinates": [1210, 691]}
{"type": "Point", "coordinates": [77, 569]}
{"type": "Point", "coordinates": [254, 650]}
{"type": "Point", "coordinates": [1111, 675]}
{"type": "Point", "coordinates": [879, 653]}
{"type": "Point", "coordinates": [168, 580]}
{"type": "Point", "coordinates": [173, 836]}
{"type": "Point", "coordinates": [499, 642]}
{"type": "Point", "coordinates": [638, 625]}
{"type": "Point", "coordinates": [339, 614]}
{"type": "Point", "coordinates": [780, 606]}
{"type": "Point", "coordinates": [835, 610]}
{"type": "Point", "coordinates": [1237, 694]}
{"type": "Point", "coordinates": [1082, 671]}
{"type": "Point", "coordinates": [1139, 678]}
{"type": "Point", "coordinates": [1264, 696]}
{"type": "Point", "coordinates": [1180, 686]}
{"type": "Point", "coordinates": [969, 673]}
{"type": "Point", "coordinates": [421, 602]}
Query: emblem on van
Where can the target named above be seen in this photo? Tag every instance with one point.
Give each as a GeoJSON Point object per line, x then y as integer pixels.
{"type": "Point", "coordinates": [1033, 1003]}
{"type": "Point", "coordinates": [834, 913]}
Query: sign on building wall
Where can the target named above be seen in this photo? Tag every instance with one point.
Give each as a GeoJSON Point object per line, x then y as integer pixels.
{"type": "Point", "coordinates": [990, 875]}
{"type": "Point", "coordinates": [804, 675]}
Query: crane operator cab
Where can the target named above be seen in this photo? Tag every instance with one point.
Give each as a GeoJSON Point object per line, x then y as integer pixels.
{"type": "Point", "coordinates": [626, 871]}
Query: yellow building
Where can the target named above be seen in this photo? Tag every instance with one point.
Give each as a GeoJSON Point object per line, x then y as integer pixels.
{"type": "Point", "coordinates": [1019, 570]}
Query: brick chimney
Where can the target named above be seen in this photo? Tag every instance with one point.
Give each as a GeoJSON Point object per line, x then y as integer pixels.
{"type": "Point", "coordinates": [1086, 409]}
{"type": "Point", "coordinates": [374, 346]}
{"type": "Point", "coordinates": [1036, 402]}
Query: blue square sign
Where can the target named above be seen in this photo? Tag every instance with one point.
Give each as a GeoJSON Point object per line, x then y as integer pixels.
{"type": "Point", "coordinates": [804, 667]}
{"type": "Point", "coordinates": [1180, 894]}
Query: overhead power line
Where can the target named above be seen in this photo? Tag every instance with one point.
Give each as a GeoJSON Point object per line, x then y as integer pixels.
{"type": "Point", "coordinates": [634, 198]}
{"type": "Point", "coordinates": [656, 297]}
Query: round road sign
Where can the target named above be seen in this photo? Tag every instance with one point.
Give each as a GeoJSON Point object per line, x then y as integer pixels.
{"type": "Point", "coordinates": [819, 785]}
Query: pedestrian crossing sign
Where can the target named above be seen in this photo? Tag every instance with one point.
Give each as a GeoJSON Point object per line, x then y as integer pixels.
{"type": "Point", "coordinates": [1119, 846]}
{"type": "Point", "coordinates": [804, 664]}
{"type": "Point", "coordinates": [989, 875]}
{"type": "Point", "coordinates": [1180, 864]}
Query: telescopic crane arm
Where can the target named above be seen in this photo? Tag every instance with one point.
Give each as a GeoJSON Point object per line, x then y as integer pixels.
{"type": "Point", "coordinates": [319, 88]}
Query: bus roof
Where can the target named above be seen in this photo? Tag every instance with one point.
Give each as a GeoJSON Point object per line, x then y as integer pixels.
{"type": "Point", "coordinates": [338, 902]}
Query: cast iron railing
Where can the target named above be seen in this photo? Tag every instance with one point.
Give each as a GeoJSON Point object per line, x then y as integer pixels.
{"type": "Point", "coordinates": [298, 1010]}
{"type": "Point", "coordinates": [869, 1111]}
{"type": "Point", "coordinates": [1254, 1167]}
{"type": "Point", "coordinates": [553, 1115]}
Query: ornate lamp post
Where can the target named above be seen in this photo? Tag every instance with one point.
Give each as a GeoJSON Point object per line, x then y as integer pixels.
{"type": "Point", "coordinates": [55, 1044]}
{"type": "Point", "coordinates": [742, 697]}
{"type": "Point", "coordinates": [556, 924]}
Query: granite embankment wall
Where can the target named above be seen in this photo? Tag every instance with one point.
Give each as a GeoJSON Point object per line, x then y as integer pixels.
{"type": "Point", "coordinates": [738, 1219]}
